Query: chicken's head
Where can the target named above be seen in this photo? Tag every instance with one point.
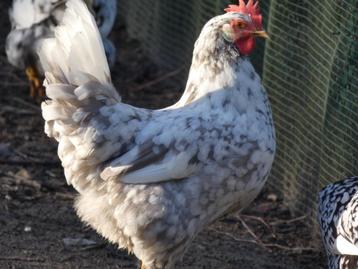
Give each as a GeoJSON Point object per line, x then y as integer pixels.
{"type": "Point", "coordinates": [243, 30]}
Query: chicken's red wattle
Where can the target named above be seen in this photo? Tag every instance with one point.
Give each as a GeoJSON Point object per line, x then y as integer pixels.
{"type": "Point", "coordinates": [246, 45]}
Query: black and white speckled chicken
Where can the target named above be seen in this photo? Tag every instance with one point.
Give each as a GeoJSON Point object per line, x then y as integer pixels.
{"type": "Point", "coordinates": [338, 218]}
{"type": "Point", "coordinates": [150, 180]}
{"type": "Point", "coordinates": [34, 20]}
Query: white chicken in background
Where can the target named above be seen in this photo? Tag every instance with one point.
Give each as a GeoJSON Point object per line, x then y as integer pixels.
{"type": "Point", "coordinates": [338, 218]}
{"type": "Point", "coordinates": [150, 180]}
{"type": "Point", "coordinates": [34, 20]}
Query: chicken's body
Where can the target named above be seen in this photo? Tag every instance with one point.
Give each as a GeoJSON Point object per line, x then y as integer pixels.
{"type": "Point", "coordinates": [338, 217]}
{"type": "Point", "coordinates": [150, 180]}
{"type": "Point", "coordinates": [34, 20]}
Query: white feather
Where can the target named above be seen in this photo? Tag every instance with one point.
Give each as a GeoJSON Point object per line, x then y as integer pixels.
{"type": "Point", "coordinates": [344, 247]}
{"type": "Point", "coordinates": [33, 14]}
{"type": "Point", "coordinates": [76, 49]}
{"type": "Point", "coordinates": [171, 168]}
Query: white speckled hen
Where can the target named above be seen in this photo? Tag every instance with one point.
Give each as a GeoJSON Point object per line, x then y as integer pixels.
{"type": "Point", "coordinates": [338, 217]}
{"type": "Point", "coordinates": [34, 20]}
{"type": "Point", "coordinates": [150, 180]}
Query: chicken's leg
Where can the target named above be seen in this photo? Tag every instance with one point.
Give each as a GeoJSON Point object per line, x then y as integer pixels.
{"type": "Point", "coordinates": [36, 88]}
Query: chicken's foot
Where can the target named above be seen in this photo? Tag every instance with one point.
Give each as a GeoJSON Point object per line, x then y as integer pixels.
{"type": "Point", "coordinates": [36, 88]}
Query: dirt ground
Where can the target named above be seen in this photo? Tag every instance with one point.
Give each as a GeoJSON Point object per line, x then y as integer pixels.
{"type": "Point", "coordinates": [39, 228]}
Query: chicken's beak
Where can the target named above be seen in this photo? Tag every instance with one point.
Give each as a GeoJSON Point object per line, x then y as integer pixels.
{"type": "Point", "coordinates": [261, 34]}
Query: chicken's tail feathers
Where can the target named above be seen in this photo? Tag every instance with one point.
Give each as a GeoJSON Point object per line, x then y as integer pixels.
{"type": "Point", "coordinates": [78, 85]}
{"type": "Point", "coordinates": [75, 55]}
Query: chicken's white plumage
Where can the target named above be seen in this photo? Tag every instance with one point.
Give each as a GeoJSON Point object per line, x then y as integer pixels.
{"type": "Point", "coordinates": [34, 20]}
{"type": "Point", "coordinates": [150, 180]}
{"type": "Point", "coordinates": [76, 49]}
{"type": "Point", "coordinates": [26, 13]}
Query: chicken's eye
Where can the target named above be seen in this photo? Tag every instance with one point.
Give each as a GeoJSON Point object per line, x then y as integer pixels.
{"type": "Point", "coordinates": [241, 24]}
{"type": "Point", "coordinates": [238, 24]}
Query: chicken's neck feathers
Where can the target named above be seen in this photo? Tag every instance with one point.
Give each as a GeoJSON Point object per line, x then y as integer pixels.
{"type": "Point", "coordinates": [218, 66]}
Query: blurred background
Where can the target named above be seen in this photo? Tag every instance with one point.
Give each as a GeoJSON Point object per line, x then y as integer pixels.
{"type": "Point", "coordinates": [309, 68]}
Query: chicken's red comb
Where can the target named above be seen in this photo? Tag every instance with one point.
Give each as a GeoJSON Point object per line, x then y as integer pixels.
{"type": "Point", "coordinates": [251, 9]}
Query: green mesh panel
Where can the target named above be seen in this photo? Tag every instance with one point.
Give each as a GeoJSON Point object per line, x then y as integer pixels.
{"type": "Point", "coordinates": [309, 69]}
{"type": "Point", "coordinates": [310, 72]}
